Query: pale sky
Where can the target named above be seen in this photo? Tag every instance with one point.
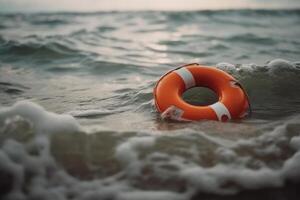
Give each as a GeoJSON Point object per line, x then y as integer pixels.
{"type": "Point", "coordinates": [108, 5]}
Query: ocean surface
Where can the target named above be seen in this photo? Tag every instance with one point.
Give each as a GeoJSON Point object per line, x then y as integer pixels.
{"type": "Point", "coordinates": [77, 118]}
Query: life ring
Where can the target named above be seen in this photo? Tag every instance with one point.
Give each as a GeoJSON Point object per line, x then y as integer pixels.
{"type": "Point", "coordinates": [233, 100]}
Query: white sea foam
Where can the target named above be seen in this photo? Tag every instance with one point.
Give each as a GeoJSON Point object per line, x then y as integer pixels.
{"type": "Point", "coordinates": [127, 153]}
{"type": "Point", "coordinates": [234, 175]}
{"type": "Point", "coordinates": [42, 121]}
{"type": "Point", "coordinates": [280, 64]}
{"type": "Point", "coordinates": [89, 113]}
{"type": "Point", "coordinates": [274, 67]}
{"type": "Point", "coordinates": [295, 143]}
{"type": "Point", "coordinates": [228, 67]}
{"type": "Point", "coordinates": [31, 165]}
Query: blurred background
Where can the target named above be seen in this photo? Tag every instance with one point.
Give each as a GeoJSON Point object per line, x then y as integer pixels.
{"type": "Point", "coordinates": [108, 5]}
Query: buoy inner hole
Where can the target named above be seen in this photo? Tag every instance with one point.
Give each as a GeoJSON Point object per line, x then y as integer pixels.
{"type": "Point", "coordinates": [200, 96]}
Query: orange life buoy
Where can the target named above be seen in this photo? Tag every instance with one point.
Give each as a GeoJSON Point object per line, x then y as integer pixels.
{"type": "Point", "coordinates": [233, 101]}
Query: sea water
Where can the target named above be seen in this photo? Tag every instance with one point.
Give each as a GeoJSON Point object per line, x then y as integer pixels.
{"type": "Point", "coordinates": [77, 119]}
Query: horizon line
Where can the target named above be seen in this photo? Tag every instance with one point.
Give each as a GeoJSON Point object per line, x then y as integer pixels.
{"type": "Point", "coordinates": [147, 10]}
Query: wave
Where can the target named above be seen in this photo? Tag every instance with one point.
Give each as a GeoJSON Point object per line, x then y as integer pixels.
{"type": "Point", "coordinates": [48, 21]}
{"type": "Point", "coordinates": [36, 52]}
{"type": "Point", "coordinates": [252, 39]}
{"type": "Point", "coordinates": [186, 163]}
{"type": "Point", "coordinates": [58, 18]}
{"type": "Point", "coordinates": [12, 88]}
{"type": "Point", "coordinates": [192, 15]}
{"type": "Point", "coordinates": [271, 87]}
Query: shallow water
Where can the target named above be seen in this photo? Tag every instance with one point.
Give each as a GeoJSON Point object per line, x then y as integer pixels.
{"type": "Point", "coordinates": [96, 71]}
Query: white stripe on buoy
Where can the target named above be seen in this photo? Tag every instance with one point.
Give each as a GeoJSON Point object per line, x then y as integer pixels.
{"type": "Point", "coordinates": [186, 76]}
{"type": "Point", "coordinates": [221, 111]}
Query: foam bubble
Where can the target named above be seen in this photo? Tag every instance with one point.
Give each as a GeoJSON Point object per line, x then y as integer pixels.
{"type": "Point", "coordinates": [127, 152]}
{"type": "Point", "coordinates": [228, 67]}
{"type": "Point", "coordinates": [228, 179]}
{"type": "Point", "coordinates": [43, 122]}
{"type": "Point", "coordinates": [295, 143]}
{"type": "Point", "coordinates": [280, 64]}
